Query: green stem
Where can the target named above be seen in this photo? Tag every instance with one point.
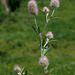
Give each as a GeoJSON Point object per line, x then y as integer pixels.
{"type": "Point", "coordinates": [46, 19]}
{"type": "Point", "coordinates": [45, 24]}
{"type": "Point", "coordinates": [41, 46]}
{"type": "Point", "coordinates": [35, 22]}
{"type": "Point", "coordinates": [53, 12]}
{"type": "Point", "coordinates": [44, 72]}
{"type": "Point", "coordinates": [40, 39]}
{"type": "Point", "coordinates": [44, 28]}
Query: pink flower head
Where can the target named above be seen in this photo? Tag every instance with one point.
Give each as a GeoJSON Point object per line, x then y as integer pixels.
{"type": "Point", "coordinates": [54, 3]}
{"type": "Point", "coordinates": [46, 9]}
{"type": "Point", "coordinates": [43, 61]}
{"type": "Point", "coordinates": [32, 7]}
{"type": "Point", "coordinates": [49, 35]}
{"type": "Point", "coordinates": [17, 68]}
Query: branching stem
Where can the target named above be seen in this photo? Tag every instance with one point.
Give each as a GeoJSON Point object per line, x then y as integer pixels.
{"type": "Point", "coordinates": [49, 20]}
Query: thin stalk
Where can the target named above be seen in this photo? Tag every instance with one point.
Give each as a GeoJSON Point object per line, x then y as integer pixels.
{"type": "Point", "coordinates": [44, 72]}
{"type": "Point", "coordinates": [40, 39]}
{"type": "Point", "coordinates": [45, 24]}
{"type": "Point", "coordinates": [35, 22]}
{"type": "Point", "coordinates": [41, 46]}
{"type": "Point", "coordinates": [53, 12]}
{"type": "Point", "coordinates": [41, 36]}
{"type": "Point", "coordinates": [44, 28]}
{"type": "Point", "coordinates": [46, 20]}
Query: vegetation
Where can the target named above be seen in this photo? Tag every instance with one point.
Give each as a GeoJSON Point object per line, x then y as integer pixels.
{"type": "Point", "coordinates": [18, 42]}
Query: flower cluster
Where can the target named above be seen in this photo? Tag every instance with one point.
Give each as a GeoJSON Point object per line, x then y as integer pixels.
{"type": "Point", "coordinates": [32, 6]}
{"type": "Point", "coordinates": [49, 35]}
{"type": "Point", "coordinates": [54, 3]}
{"type": "Point", "coordinates": [46, 9]}
{"type": "Point", "coordinates": [17, 68]}
{"type": "Point", "coordinates": [43, 61]}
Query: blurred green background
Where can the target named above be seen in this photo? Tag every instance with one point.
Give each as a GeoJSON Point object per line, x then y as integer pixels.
{"type": "Point", "coordinates": [19, 43]}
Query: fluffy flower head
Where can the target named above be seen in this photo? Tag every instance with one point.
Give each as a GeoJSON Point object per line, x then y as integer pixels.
{"type": "Point", "coordinates": [46, 9]}
{"type": "Point", "coordinates": [54, 3]}
{"type": "Point", "coordinates": [32, 7]}
{"type": "Point", "coordinates": [49, 35]}
{"type": "Point", "coordinates": [43, 61]}
{"type": "Point", "coordinates": [17, 68]}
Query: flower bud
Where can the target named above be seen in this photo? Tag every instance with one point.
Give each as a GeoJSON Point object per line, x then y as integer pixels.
{"type": "Point", "coordinates": [46, 9]}
{"type": "Point", "coordinates": [54, 3]}
{"type": "Point", "coordinates": [43, 61]}
{"type": "Point", "coordinates": [19, 73]}
{"type": "Point", "coordinates": [49, 35]}
{"type": "Point", "coordinates": [32, 7]}
{"type": "Point", "coordinates": [46, 70]}
{"type": "Point", "coordinates": [40, 35]}
{"type": "Point", "coordinates": [48, 20]}
{"type": "Point", "coordinates": [17, 68]}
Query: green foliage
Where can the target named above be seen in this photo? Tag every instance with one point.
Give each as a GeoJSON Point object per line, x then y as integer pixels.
{"type": "Point", "coordinates": [2, 12]}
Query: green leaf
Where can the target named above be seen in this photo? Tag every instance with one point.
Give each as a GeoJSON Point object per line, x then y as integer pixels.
{"type": "Point", "coordinates": [40, 10]}
{"type": "Point", "coordinates": [25, 72]}
{"type": "Point", "coordinates": [44, 40]}
{"type": "Point", "coordinates": [53, 41]}
{"type": "Point", "coordinates": [46, 67]}
{"type": "Point", "coordinates": [51, 70]}
{"type": "Point", "coordinates": [22, 70]}
{"type": "Point", "coordinates": [34, 29]}
{"type": "Point", "coordinates": [55, 18]}
{"type": "Point", "coordinates": [45, 51]}
{"type": "Point", "coordinates": [38, 30]}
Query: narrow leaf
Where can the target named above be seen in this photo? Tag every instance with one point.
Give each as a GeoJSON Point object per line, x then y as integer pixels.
{"type": "Point", "coordinates": [40, 10]}
{"type": "Point", "coordinates": [52, 70]}
{"type": "Point", "coordinates": [34, 29]}
{"type": "Point", "coordinates": [22, 70]}
{"type": "Point", "coordinates": [44, 40]}
{"type": "Point", "coordinates": [54, 18]}
{"type": "Point", "coordinates": [53, 41]}
{"type": "Point", "coordinates": [25, 72]}
{"type": "Point", "coordinates": [39, 30]}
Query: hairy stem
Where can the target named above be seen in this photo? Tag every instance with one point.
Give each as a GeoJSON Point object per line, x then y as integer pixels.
{"type": "Point", "coordinates": [35, 22]}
